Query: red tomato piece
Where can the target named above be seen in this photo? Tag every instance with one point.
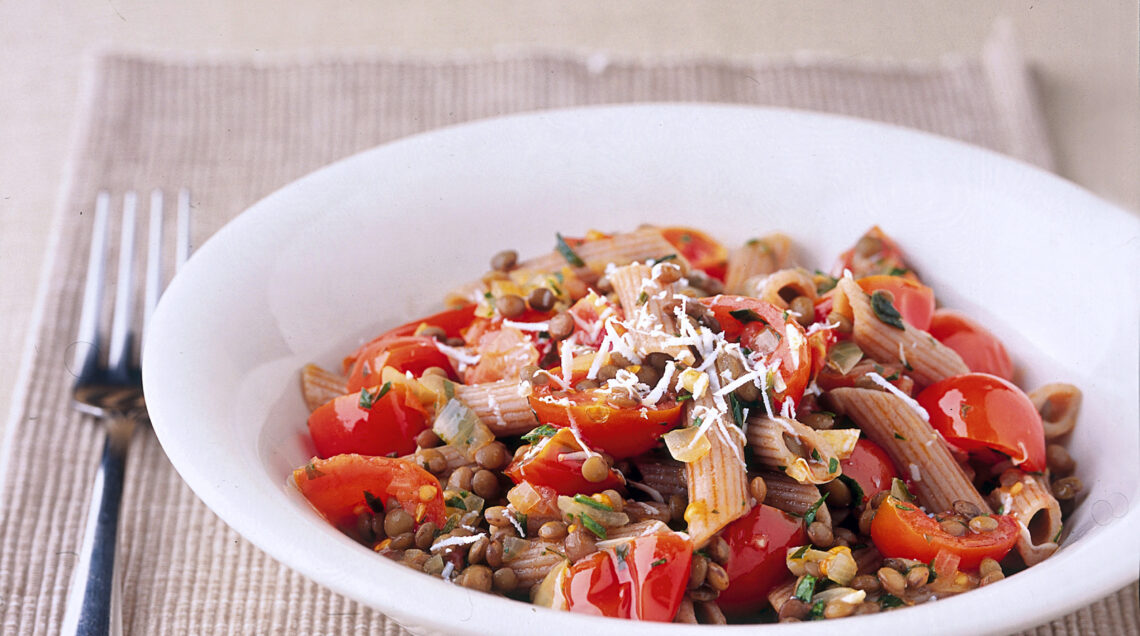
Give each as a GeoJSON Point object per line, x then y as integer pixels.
{"type": "Point", "coordinates": [902, 530]}
{"type": "Point", "coordinates": [621, 432]}
{"type": "Point", "coordinates": [642, 579]}
{"type": "Point", "coordinates": [701, 250]}
{"type": "Point", "coordinates": [403, 353]}
{"type": "Point", "coordinates": [870, 467]}
{"type": "Point", "coordinates": [556, 462]}
{"type": "Point", "coordinates": [388, 426]}
{"type": "Point", "coordinates": [829, 378]}
{"type": "Point", "coordinates": [452, 321]}
{"type": "Point", "coordinates": [336, 487]}
{"type": "Point", "coordinates": [874, 253]}
{"type": "Point", "coordinates": [914, 300]}
{"type": "Point", "coordinates": [980, 349]}
{"type": "Point", "coordinates": [820, 342]}
{"type": "Point", "coordinates": [759, 543]}
{"type": "Point", "coordinates": [502, 352]}
{"type": "Point", "coordinates": [977, 411]}
{"type": "Point", "coordinates": [762, 327]}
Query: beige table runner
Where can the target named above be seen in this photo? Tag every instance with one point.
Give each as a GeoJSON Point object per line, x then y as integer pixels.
{"type": "Point", "coordinates": [233, 130]}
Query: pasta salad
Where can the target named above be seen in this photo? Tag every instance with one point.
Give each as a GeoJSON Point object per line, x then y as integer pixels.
{"type": "Point", "coordinates": [646, 425]}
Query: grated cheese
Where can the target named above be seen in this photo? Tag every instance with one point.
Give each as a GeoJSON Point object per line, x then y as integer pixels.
{"type": "Point", "coordinates": [527, 326]}
{"type": "Point", "coordinates": [450, 541]}
{"type": "Point", "coordinates": [457, 354]}
{"type": "Point", "coordinates": [915, 406]}
{"type": "Point", "coordinates": [653, 493]}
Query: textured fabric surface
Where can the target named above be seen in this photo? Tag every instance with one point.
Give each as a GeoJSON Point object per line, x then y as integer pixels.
{"type": "Point", "coordinates": [233, 130]}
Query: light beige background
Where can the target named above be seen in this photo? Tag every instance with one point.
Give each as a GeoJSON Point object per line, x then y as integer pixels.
{"type": "Point", "coordinates": [1085, 54]}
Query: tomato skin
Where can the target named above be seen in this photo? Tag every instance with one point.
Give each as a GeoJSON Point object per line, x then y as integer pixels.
{"type": "Point", "coordinates": [759, 543]}
{"type": "Point", "coordinates": [452, 321]}
{"type": "Point", "coordinates": [549, 467]}
{"type": "Point", "coordinates": [977, 411]}
{"type": "Point", "coordinates": [870, 467]}
{"type": "Point", "coordinates": [404, 353]}
{"type": "Point", "coordinates": [620, 432]}
{"type": "Point", "coordinates": [389, 426]}
{"type": "Point", "coordinates": [795, 360]}
{"type": "Point", "coordinates": [886, 259]}
{"type": "Point", "coordinates": [902, 530]}
{"type": "Point", "coordinates": [701, 250]}
{"type": "Point", "coordinates": [979, 349]}
{"type": "Point", "coordinates": [914, 300]}
{"type": "Point", "coordinates": [605, 584]}
{"type": "Point", "coordinates": [336, 486]}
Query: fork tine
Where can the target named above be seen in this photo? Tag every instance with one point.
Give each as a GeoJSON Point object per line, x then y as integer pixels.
{"type": "Point", "coordinates": [182, 247]}
{"type": "Point", "coordinates": [87, 338]}
{"type": "Point", "coordinates": [153, 258]}
{"type": "Point", "coordinates": [118, 356]}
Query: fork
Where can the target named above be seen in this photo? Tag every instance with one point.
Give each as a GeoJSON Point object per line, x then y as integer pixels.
{"type": "Point", "coordinates": [110, 389]}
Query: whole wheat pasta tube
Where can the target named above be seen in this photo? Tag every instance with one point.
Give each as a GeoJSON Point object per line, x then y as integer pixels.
{"type": "Point", "coordinates": [499, 406]}
{"type": "Point", "coordinates": [535, 561]}
{"type": "Point", "coordinates": [758, 257]}
{"type": "Point", "coordinates": [637, 529]}
{"type": "Point", "coordinates": [798, 280]}
{"type": "Point", "coordinates": [1030, 501]}
{"type": "Point", "coordinates": [319, 386]}
{"type": "Point", "coordinates": [781, 594]}
{"type": "Point", "coordinates": [916, 448]}
{"type": "Point", "coordinates": [645, 302]}
{"type": "Point", "coordinates": [640, 245]}
{"type": "Point", "coordinates": [795, 449]}
{"type": "Point", "coordinates": [718, 480]}
{"type": "Point", "coordinates": [930, 360]}
{"type": "Point", "coordinates": [1058, 404]}
{"type": "Point", "coordinates": [666, 477]}
{"type": "Point", "coordinates": [791, 496]}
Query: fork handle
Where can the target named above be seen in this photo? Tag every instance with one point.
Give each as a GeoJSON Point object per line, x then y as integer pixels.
{"type": "Point", "coordinates": [93, 599]}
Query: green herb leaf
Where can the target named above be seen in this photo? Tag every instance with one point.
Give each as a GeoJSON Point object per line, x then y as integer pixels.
{"type": "Point", "coordinates": [667, 257]}
{"type": "Point", "coordinates": [900, 491]}
{"type": "Point", "coordinates": [456, 502]}
{"type": "Point", "coordinates": [643, 298]}
{"type": "Point", "coordinates": [817, 611]}
{"type": "Point", "coordinates": [857, 493]}
{"type": "Point", "coordinates": [452, 522]}
{"type": "Point", "coordinates": [661, 561]}
{"type": "Point", "coordinates": [799, 554]}
{"type": "Point", "coordinates": [373, 502]}
{"type": "Point", "coordinates": [681, 397]}
{"type": "Point", "coordinates": [521, 519]}
{"type": "Point", "coordinates": [746, 316]}
{"type": "Point", "coordinates": [622, 551]}
{"type": "Point", "coordinates": [809, 516]}
{"type": "Point", "coordinates": [593, 503]}
{"type": "Point", "coordinates": [368, 398]}
{"type": "Point", "coordinates": [897, 436]}
{"type": "Point", "coordinates": [1057, 536]}
{"type": "Point", "coordinates": [832, 465]}
{"type": "Point", "coordinates": [805, 589]}
{"type": "Point", "coordinates": [890, 600]}
{"type": "Point", "coordinates": [815, 454]}
{"type": "Point", "coordinates": [885, 310]}
{"type": "Point", "coordinates": [737, 410]}
{"type": "Point", "coordinates": [897, 271]}
{"type": "Point", "coordinates": [568, 253]}
{"type": "Point", "coordinates": [593, 526]}
{"type": "Point", "coordinates": [542, 431]}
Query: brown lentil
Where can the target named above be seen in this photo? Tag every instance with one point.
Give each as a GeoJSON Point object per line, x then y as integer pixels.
{"type": "Point", "coordinates": [541, 299]}
{"type": "Point", "coordinates": [1067, 488]}
{"type": "Point", "coordinates": [415, 558]}
{"type": "Point", "coordinates": [433, 460]}
{"type": "Point", "coordinates": [364, 526]}
{"type": "Point", "coordinates": [428, 439]}
{"type": "Point", "coordinates": [398, 522]}
{"type": "Point", "coordinates": [758, 489]}
{"type": "Point", "coordinates": [708, 613]}
{"type": "Point", "coordinates": [493, 456]}
{"type": "Point", "coordinates": [992, 577]}
{"type": "Point", "coordinates": [587, 384]}
{"type": "Point", "coordinates": [868, 607]}
{"type": "Point", "coordinates": [657, 360]}
{"type": "Point", "coordinates": [606, 372]}
{"type": "Point", "coordinates": [918, 576]}
{"type": "Point", "coordinates": [668, 273]}
{"type": "Point", "coordinates": [677, 505]}
{"type": "Point", "coordinates": [595, 469]}
{"type": "Point", "coordinates": [552, 531]}
{"type": "Point", "coordinates": [793, 609]}
{"type": "Point", "coordinates": [703, 594]}
{"type": "Point", "coordinates": [476, 577]}
{"type": "Point", "coordinates": [477, 553]}
{"type": "Point", "coordinates": [983, 523]}
{"type": "Point", "coordinates": [575, 287]}
{"type": "Point", "coordinates": [485, 484]}
{"type": "Point", "coordinates": [622, 401]}
{"type": "Point", "coordinates": [988, 565]}
{"type": "Point", "coordinates": [819, 421]}
{"type": "Point", "coordinates": [844, 535]}
{"type": "Point", "coordinates": [1059, 460]}
{"type": "Point", "coordinates": [614, 499]}
{"type": "Point", "coordinates": [648, 375]}
{"type": "Point", "coordinates": [425, 534]}
{"type": "Point", "coordinates": [953, 526]}
{"type": "Point", "coordinates": [837, 608]}
{"type": "Point", "coordinates": [718, 550]}
{"type": "Point", "coordinates": [865, 519]}
{"type": "Point", "coordinates": [579, 543]}
{"type": "Point", "coordinates": [685, 613]}
{"type": "Point", "coordinates": [494, 556]}
{"type": "Point", "coordinates": [838, 494]}
{"type": "Point", "coordinates": [698, 570]}
{"type": "Point", "coordinates": [843, 323]}
{"type": "Point", "coordinates": [378, 526]}
{"type": "Point", "coordinates": [966, 509]}
{"type": "Point", "coordinates": [402, 541]}
{"type": "Point", "coordinates": [717, 577]}
{"type": "Point", "coordinates": [505, 260]}
{"type": "Point", "coordinates": [434, 565]}
{"type": "Point", "coordinates": [803, 306]}
{"type": "Point", "coordinates": [866, 582]}
{"type": "Point", "coordinates": [812, 568]}
{"type": "Point", "coordinates": [534, 375]}
{"type": "Point", "coordinates": [561, 326]}
{"type": "Point", "coordinates": [505, 580]}
{"type": "Point", "coordinates": [820, 534]}
{"type": "Point", "coordinates": [498, 516]}
{"type": "Point", "coordinates": [510, 306]}
{"type": "Point", "coordinates": [892, 581]}
{"type": "Point", "coordinates": [455, 342]}
{"type": "Point", "coordinates": [460, 478]}
{"type": "Point", "coordinates": [878, 498]}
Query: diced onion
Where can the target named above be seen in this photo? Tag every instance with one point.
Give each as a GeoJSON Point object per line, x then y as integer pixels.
{"type": "Point", "coordinates": [607, 518]}
{"type": "Point", "coordinates": [461, 427]}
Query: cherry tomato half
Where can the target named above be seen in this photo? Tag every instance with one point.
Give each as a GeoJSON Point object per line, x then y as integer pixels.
{"type": "Point", "coordinates": [914, 300]}
{"type": "Point", "coordinates": [978, 410]}
{"type": "Point", "coordinates": [642, 579]}
{"type": "Point", "coordinates": [556, 462]}
{"type": "Point", "coordinates": [870, 467]}
{"type": "Point", "coordinates": [874, 253]}
{"type": "Point", "coordinates": [452, 321]}
{"type": "Point", "coordinates": [759, 543]}
{"type": "Point", "coordinates": [980, 349]}
{"type": "Point", "coordinates": [902, 530]}
{"type": "Point", "coordinates": [336, 487]}
{"type": "Point", "coordinates": [621, 432]}
{"type": "Point", "coordinates": [701, 250]}
{"type": "Point", "coordinates": [403, 353]}
{"type": "Point", "coordinates": [348, 424]}
{"type": "Point", "coordinates": [762, 327]}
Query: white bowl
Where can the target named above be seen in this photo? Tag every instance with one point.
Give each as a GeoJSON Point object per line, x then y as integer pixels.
{"type": "Point", "coordinates": [376, 239]}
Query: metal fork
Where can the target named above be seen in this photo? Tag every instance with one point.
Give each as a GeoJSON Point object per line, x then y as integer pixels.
{"type": "Point", "coordinates": [110, 388]}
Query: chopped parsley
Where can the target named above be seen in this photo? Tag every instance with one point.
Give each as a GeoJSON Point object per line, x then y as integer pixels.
{"type": "Point", "coordinates": [737, 410]}
{"type": "Point", "coordinates": [805, 589]}
{"type": "Point", "coordinates": [856, 490]}
{"type": "Point", "coordinates": [643, 298]}
{"type": "Point", "coordinates": [667, 257]}
{"type": "Point", "coordinates": [545, 430]}
{"type": "Point", "coordinates": [373, 502]}
{"type": "Point", "coordinates": [964, 409]}
{"type": "Point", "coordinates": [832, 465]}
{"type": "Point", "coordinates": [809, 516]}
{"type": "Point", "coordinates": [681, 397]}
{"type": "Point", "coordinates": [815, 454]}
{"type": "Point", "coordinates": [890, 600]}
{"type": "Point", "coordinates": [898, 436]}
{"type": "Point", "coordinates": [817, 611]}
{"type": "Point", "coordinates": [452, 521]}
{"type": "Point", "coordinates": [746, 316]}
{"type": "Point", "coordinates": [311, 471]}
{"type": "Point", "coordinates": [368, 398]}
{"type": "Point", "coordinates": [799, 554]}
{"type": "Point", "coordinates": [622, 552]}
{"type": "Point", "coordinates": [593, 503]}
{"type": "Point", "coordinates": [521, 519]}
{"type": "Point", "coordinates": [885, 310]}
{"type": "Point", "coordinates": [456, 502]}
{"type": "Point", "coordinates": [1057, 536]}
{"type": "Point", "coordinates": [568, 253]}
{"type": "Point", "coordinates": [593, 526]}
{"type": "Point", "coordinates": [898, 271]}
{"type": "Point", "coordinates": [661, 561]}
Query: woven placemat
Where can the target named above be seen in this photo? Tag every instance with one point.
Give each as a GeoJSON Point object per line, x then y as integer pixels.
{"type": "Point", "coordinates": [233, 130]}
